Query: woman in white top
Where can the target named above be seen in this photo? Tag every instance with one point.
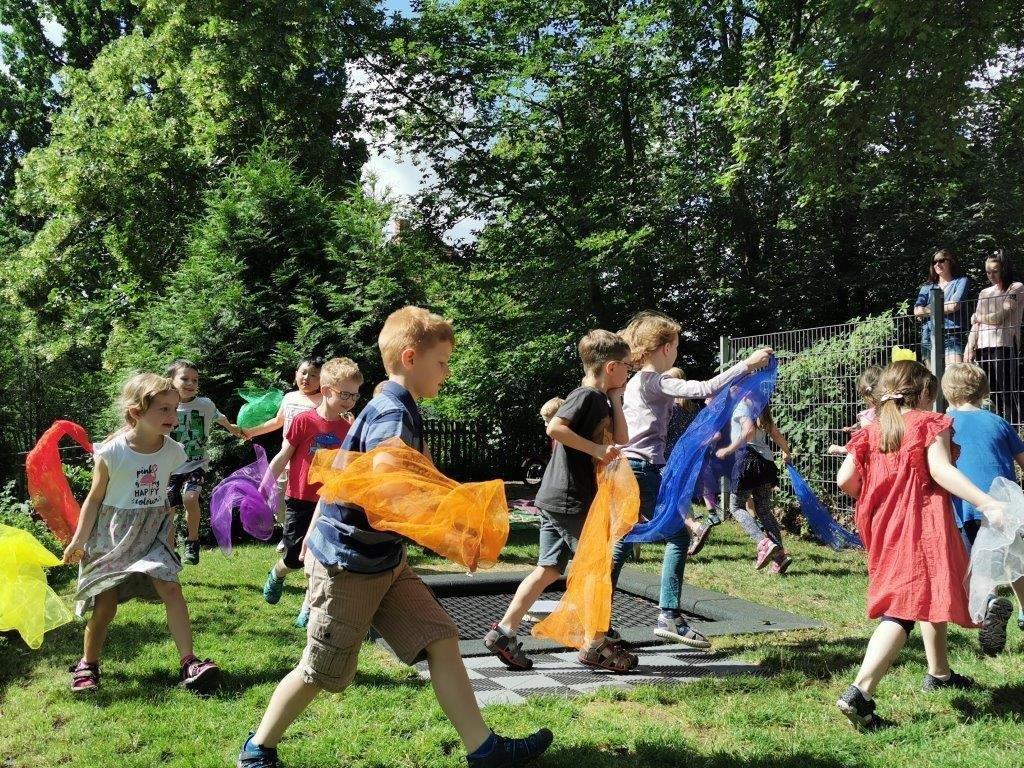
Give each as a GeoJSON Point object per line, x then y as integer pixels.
{"type": "Point", "coordinates": [995, 335]}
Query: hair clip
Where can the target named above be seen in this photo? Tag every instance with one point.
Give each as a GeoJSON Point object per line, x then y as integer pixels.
{"type": "Point", "coordinates": [893, 396]}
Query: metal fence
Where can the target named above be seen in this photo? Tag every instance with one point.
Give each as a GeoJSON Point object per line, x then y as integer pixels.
{"type": "Point", "coordinates": [816, 402]}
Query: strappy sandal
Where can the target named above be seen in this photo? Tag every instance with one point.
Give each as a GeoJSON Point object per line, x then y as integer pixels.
{"type": "Point", "coordinates": [85, 677]}
{"type": "Point", "coordinates": [610, 656]}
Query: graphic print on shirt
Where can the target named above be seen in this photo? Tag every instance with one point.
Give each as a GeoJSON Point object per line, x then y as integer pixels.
{"type": "Point", "coordinates": [191, 433]}
{"type": "Point", "coordinates": [147, 486]}
{"type": "Point", "coordinates": [324, 441]}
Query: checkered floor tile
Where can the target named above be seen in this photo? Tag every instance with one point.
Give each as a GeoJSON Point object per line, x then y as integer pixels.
{"type": "Point", "coordinates": [560, 674]}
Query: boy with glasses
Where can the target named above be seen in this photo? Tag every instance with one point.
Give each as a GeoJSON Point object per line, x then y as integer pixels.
{"type": "Point", "coordinates": [323, 427]}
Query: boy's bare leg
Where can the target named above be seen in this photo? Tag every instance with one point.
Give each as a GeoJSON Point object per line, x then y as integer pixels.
{"type": "Point", "coordinates": [290, 699]}
{"type": "Point", "coordinates": [455, 693]}
{"type": "Point", "coordinates": [191, 503]}
{"type": "Point", "coordinates": [530, 588]}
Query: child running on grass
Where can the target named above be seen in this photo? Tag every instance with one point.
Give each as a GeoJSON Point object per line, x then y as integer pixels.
{"type": "Point", "coordinates": [361, 576]}
{"type": "Point", "coordinates": [648, 400]}
{"type": "Point", "coordinates": [586, 428]}
{"type": "Point", "coordinates": [305, 397]}
{"type": "Point", "coordinates": [196, 417]}
{"type": "Point", "coordinates": [324, 427]}
{"type": "Point", "coordinates": [124, 539]}
{"type": "Point", "coordinates": [989, 447]}
{"type": "Point", "coordinates": [756, 479]}
{"type": "Point", "coordinates": [900, 472]}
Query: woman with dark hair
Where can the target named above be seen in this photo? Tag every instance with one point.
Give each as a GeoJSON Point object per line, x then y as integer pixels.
{"type": "Point", "coordinates": [995, 335]}
{"type": "Point", "coordinates": [944, 272]}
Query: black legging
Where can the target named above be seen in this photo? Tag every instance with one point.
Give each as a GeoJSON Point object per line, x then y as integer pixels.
{"type": "Point", "coordinates": [1001, 366]}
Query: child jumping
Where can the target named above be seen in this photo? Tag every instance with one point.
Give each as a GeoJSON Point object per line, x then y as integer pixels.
{"type": "Point", "coordinates": [196, 417]}
{"type": "Point", "coordinates": [361, 576]}
{"type": "Point", "coordinates": [647, 403]}
{"type": "Point", "coordinates": [989, 446]}
{"type": "Point", "coordinates": [324, 427]}
{"type": "Point", "coordinates": [756, 479]}
{"type": "Point", "coordinates": [124, 539]}
{"type": "Point", "coordinates": [585, 429]}
{"type": "Point", "coordinates": [900, 472]}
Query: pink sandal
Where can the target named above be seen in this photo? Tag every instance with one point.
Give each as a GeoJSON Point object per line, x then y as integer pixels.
{"type": "Point", "coordinates": [85, 677]}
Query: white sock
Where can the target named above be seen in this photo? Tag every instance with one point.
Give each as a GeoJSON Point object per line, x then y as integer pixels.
{"type": "Point", "coordinates": [506, 631]}
{"type": "Point", "coordinates": [944, 677]}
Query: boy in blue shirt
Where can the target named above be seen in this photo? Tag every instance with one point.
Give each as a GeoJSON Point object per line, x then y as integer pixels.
{"type": "Point", "coordinates": [988, 446]}
{"type": "Point", "coordinates": [361, 578]}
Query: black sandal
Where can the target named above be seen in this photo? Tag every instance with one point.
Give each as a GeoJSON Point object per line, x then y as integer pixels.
{"type": "Point", "coordinates": [610, 656]}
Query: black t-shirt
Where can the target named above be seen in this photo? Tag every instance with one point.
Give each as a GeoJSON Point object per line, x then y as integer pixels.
{"type": "Point", "coordinates": [570, 481]}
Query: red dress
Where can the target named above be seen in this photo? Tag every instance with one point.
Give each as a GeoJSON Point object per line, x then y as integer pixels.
{"type": "Point", "coordinates": [917, 562]}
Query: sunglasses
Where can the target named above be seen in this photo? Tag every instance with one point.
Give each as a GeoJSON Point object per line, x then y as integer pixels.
{"type": "Point", "coordinates": [940, 261]}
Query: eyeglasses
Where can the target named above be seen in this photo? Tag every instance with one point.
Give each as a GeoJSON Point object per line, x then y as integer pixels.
{"type": "Point", "coordinates": [943, 260]}
{"type": "Point", "coordinates": [353, 396]}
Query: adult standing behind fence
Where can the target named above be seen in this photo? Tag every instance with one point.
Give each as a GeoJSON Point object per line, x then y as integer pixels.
{"type": "Point", "coordinates": [945, 273]}
{"type": "Point", "coordinates": [995, 335]}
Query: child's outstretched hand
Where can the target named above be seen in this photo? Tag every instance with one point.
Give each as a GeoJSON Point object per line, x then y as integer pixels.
{"type": "Point", "coordinates": [759, 359]}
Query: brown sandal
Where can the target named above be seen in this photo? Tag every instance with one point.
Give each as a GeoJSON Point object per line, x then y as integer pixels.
{"type": "Point", "coordinates": [85, 677]}
{"type": "Point", "coordinates": [609, 655]}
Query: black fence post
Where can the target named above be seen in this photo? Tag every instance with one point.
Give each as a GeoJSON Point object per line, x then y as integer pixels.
{"type": "Point", "coordinates": [938, 310]}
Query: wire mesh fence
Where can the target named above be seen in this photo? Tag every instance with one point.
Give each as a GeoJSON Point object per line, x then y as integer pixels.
{"type": "Point", "coordinates": [816, 403]}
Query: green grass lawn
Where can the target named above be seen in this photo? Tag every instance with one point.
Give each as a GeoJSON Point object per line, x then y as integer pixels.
{"type": "Point", "coordinates": [389, 717]}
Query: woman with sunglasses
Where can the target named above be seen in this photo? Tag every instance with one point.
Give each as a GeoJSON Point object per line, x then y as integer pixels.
{"type": "Point", "coordinates": [995, 335]}
{"type": "Point", "coordinates": [944, 272]}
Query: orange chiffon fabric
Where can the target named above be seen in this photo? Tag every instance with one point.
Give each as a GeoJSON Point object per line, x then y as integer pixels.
{"type": "Point", "coordinates": [47, 486]}
{"type": "Point", "coordinates": [401, 491]}
{"type": "Point", "coordinates": [585, 611]}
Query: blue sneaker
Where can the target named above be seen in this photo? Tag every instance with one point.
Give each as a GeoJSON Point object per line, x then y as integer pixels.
{"type": "Point", "coordinates": [254, 756]}
{"type": "Point", "coordinates": [506, 753]}
{"type": "Point", "coordinates": [302, 620]}
{"type": "Point", "coordinates": [273, 588]}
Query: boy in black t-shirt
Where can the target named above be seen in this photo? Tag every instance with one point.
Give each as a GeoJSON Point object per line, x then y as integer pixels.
{"type": "Point", "coordinates": [585, 430]}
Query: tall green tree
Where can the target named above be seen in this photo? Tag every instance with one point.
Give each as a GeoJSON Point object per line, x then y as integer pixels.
{"type": "Point", "coordinates": [745, 165]}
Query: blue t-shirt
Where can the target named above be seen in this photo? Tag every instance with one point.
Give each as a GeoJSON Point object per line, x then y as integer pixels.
{"type": "Point", "coordinates": [955, 292]}
{"type": "Point", "coordinates": [987, 446]}
{"type": "Point", "coordinates": [343, 537]}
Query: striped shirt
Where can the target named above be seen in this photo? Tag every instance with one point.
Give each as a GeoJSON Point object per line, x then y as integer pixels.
{"type": "Point", "coordinates": [342, 536]}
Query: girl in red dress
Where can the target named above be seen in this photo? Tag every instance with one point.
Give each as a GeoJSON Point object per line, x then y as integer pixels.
{"type": "Point", "coordinates": [900, 472]}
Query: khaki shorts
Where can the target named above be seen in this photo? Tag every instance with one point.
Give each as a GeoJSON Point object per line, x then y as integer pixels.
{"type": "Point", "coordinates": [342, 607]}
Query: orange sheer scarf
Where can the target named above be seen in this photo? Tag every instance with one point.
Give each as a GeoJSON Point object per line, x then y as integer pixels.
{"type": "Point", "coordinates": [585, 611]}
{"type": "Point", "coordinates": [401, 491]}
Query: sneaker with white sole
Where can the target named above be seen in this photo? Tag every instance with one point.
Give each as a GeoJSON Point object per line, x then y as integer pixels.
{"type": "Point", "coordinates": [674, 627]}
{"type": "Point", "coordinates": [859, 710]}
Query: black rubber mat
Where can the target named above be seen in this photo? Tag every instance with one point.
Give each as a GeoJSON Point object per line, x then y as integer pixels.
{"type": "Point", "coordinates": [474, 614]}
